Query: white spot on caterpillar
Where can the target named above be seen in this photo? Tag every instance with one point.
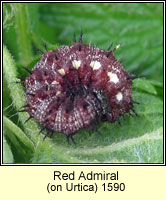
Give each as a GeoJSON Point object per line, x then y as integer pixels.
{"type": "Point", "coordinates": [61, 71]}
{"type": "Point", "coordinates": [58, 93]}
{"type": "Point", "coordinates": [119, 96]}
{"type": "Point", "coordinates": [76, 63]}
{"type": "Point", "coordinates": [55, 83]}
{"type": "Point", "coordinates": [113, 77]}
{"type": "Point", "coordinates": [95, 65]}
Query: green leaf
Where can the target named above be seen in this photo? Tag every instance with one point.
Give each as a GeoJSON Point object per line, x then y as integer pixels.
{"type": "Point", "coordinates": [18, 132]}
{"type": "Point", "coordinates": [21, 145]}
{"type": "Point", "coordinates": [7, 153]}
{"type": "Point", "coordinates": [23, 34]}
{"type": "Point", "coordinates": [137, 27]}
{"type": "Point", "coordinates": [144, 149]}
{"type": "Point", "coordinates": [148, 87]}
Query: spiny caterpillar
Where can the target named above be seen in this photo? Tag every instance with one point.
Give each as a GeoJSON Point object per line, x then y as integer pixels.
{"type": "Point", "coordinates": [77, 86]}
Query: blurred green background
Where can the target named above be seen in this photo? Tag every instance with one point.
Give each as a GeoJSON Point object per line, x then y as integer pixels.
{"type": "Point", "coordinates": [137, 27]}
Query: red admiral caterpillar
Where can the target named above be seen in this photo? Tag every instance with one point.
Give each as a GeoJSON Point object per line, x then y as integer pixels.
{"type": "Point", "coordinates": [76, 86]}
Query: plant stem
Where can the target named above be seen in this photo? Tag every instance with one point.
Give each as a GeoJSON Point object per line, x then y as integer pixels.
{"type": "Point", "coordinates": [23, 34]}
{"type": "Point", "coordinates": [17, 94]}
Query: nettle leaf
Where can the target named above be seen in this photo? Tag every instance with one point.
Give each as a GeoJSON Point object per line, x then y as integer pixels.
{"type": "Point", "coordinates": [138, 28]}
{"type": "Point", "coordinates": [7, 153]}
{"type": "Point", "coordinates": [22, 147]}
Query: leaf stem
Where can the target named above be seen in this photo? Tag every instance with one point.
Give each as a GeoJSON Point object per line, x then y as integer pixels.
{"type": "Point", "coordinates": [23, 34]}
{"type": "Point", "coordinates": [17, 94]}
{"type": "Point", "coordinates": [19, 133]}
